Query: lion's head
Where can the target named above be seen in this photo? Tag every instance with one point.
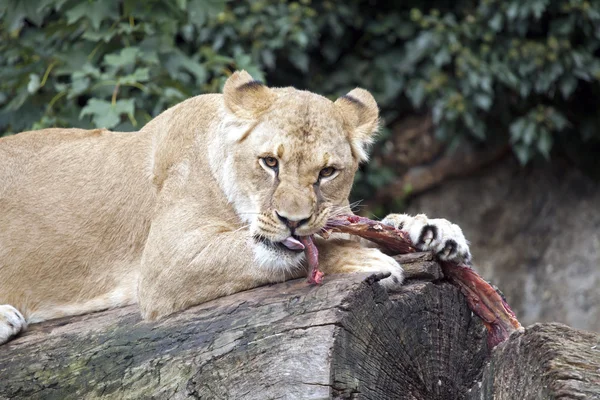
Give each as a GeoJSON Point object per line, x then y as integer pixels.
{"type": "Point", "coordinates": [291, 160]}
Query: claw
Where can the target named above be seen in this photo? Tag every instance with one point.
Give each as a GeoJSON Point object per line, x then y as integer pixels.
{"type": "Point", "coordinates": [449, 248]}
{"type": "Point", "coordinates": [428, 235]}
{"type": "Point", "coordinates": [379, 276]}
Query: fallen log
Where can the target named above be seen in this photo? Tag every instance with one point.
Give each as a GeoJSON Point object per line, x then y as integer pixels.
{"type": "Point", "coordinates": [344, 339]}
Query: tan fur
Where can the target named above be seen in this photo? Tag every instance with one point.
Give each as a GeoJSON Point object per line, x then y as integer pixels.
{"type": "Point", "coordinates": [168, 216]}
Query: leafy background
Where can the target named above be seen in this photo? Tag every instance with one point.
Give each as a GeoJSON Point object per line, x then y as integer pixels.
{"type": "Point", "coordinates": [524, 72]}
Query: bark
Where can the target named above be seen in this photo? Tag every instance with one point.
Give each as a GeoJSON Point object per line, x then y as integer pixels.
{"type": "Point", "coordinates": [347, 338]}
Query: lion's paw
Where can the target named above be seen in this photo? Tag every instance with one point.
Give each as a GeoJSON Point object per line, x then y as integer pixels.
{"type": "Point", "coordinates": [11, 322]}
{"type": "Point", "coordinates": [384, 268]}
{"type": "Point", "coordinates": [441, 236]}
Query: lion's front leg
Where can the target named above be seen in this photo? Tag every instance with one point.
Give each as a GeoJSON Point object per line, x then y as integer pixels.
{"type": "Point", "coordinates": [441, 236]}
{"type": "Point", "coordinates": [189, 260]}
{"type": "Point", "coordinates": [345, 256]}
{"type": "Point", "coordinates": [11, 322]}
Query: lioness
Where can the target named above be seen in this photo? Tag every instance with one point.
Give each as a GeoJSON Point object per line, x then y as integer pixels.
{"type": "Point", "coordinates": [208, 199]}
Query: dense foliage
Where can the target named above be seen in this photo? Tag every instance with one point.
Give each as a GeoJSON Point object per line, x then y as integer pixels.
{"type": "Point", "coordinates": [520, 70]}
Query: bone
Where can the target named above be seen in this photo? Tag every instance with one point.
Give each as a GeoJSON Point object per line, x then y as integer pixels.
{"type": "Point", "coordinates": [315, 276]}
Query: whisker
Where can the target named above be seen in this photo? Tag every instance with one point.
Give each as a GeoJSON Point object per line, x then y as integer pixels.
{"type": "Point", "coordinates": [242, 228]}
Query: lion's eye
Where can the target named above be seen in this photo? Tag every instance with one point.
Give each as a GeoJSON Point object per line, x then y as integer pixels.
{"type": "Point", "coordinates": [326, 172]}
{"type": "Point", "coordinates": [270, 162]}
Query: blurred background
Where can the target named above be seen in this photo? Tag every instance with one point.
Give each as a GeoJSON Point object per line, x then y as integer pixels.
{"type": "Point", "coordinates": [490, 107]}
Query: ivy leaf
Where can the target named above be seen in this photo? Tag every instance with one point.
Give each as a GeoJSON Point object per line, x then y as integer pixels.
{"type": "Point", "coordinates": [559, 121]}
{"type": "Point", "coordinates": [125, 57]}
{"type": "Point", "coordinates": [483, 101]}
{"type": "Point", "coordinates": [197, 69]}
{"type": "Point", "coordinates": [299, 60]}
{"type": "Point", "coordinates": [200, 11]}
{"type": "Point", "coordinates": [538, 7]}
{"type": "Point", "coordinates": [416, 93]}
{"type": "Point", "coordinates": [529, 133]}
{"type": "Point", "coordinates": [516, 129]}
{"type": "Point", "coordinates": [442, 57]}
{"type": "Point", "coordinates": [567, 86]}
{"type": "Point", "coordinates": [78, 86]}
{"type": "Point", "coordinates": [496, 22]}
{"type": "Point", "coordinates": [544, 143]}
{"type": "Point", "coordinates": [513, 10]}
{"type": "Point", "coordinates": [522, 152]}
{"type": "Point", "coordinates": [139, 75]}
{"type": "Point", "coordinates": [34, 83]}
{"type": "Point", "coordinates": [95, 11]}
{"type": "Point", "coordinates": [173, 94]}
{"type": "Point", "coordinates": [102, 112]}
{"type": "Point", "coordinates": [106, 115]}
{"type": "Point", "coordinates": [125, 106]}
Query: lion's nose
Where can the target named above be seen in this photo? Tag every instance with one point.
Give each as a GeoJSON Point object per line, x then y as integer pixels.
{"type": "Point", "coordinates": [292, 222]}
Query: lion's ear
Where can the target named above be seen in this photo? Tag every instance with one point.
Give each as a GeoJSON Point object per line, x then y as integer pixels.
{"type": "Point", "coordinates": [361, 115]}
{"type": "Point", "coordinates": [245, 97]}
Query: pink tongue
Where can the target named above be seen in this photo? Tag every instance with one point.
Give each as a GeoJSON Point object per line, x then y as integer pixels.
{"type": "Point", "coordinates": [292, 243]}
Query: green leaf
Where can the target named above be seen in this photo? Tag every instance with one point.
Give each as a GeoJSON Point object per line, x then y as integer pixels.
{"type": "Point", "coordinates": [125, 106]}
{"type": "Point", "coordinates": [496, 22]}
{"type": "Point", "coordinates": [173, 94]}
{"type": "Point", "coordinates": [522, 152]}
{"type": "Point", "coordinates": [95, 11]}
{"type": "Point", "coordinates": [567, 86]}
{"type": "Point", "coordinates": [139, 75]}
{"type": "Point", "coordinates": [442, 57]}
{"type": "Point", "coordinates": [513, 10]}
{"type": "Point", "coordinates": [416, 93]}
{"type": "Point", "coordinates": [102, 112]}
{"type": "Point", "coordinates": [34, 83]}
{"type": "Point", "coordinates": [483, 101]}
{"type": "Point", "coordinates": [125, 57]}
{"type": "Point", "coordinates": [476, 126]}
{"type": "Point", "coordinates": [538, 7]}
{"type": "Point", "coordinates": [106, 115]}
{"type": "Point", "coordinates": [16, 11]}
{"type": "Point", "coordinates": [300, 60]}
{"type": "Point", "coordinates": [78, 86]}
{"type": "Point", "coordinates": [200, 11]}
{"type": "Point", "coordinates": [516, 129]}
{"type": "Point", "coordinates": [529, 132]}
{"type": "Point", "coordinates": [544, 143]}
{"type": "Point", "coordinates": [197, 69]}
{"type": "Point", "coordinates": [559, 121]}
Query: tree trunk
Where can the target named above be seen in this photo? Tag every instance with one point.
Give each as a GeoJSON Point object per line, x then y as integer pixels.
{"type": "Point", "coordinates": [548, 361]}
{"type": "Point", "coordinates": [346, 339]}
